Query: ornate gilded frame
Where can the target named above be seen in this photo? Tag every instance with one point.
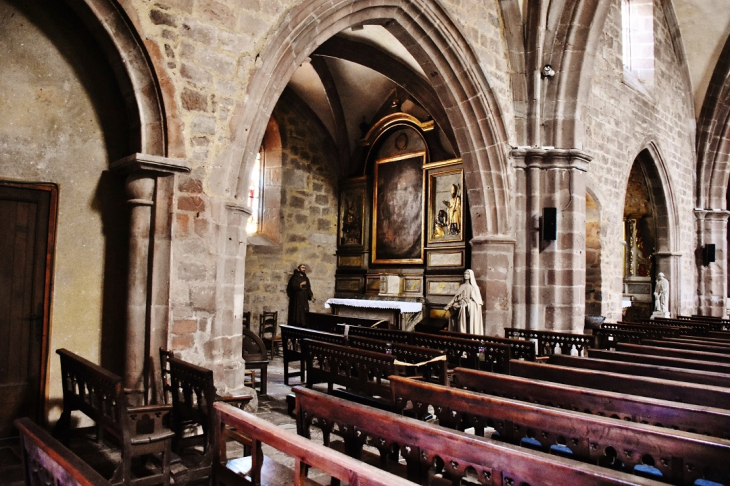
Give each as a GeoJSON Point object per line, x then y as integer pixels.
{"type": "Point", "coordinates": [441, 178]}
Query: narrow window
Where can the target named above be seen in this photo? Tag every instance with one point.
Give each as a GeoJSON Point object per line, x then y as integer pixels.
{"type": "Point", "coordinates": [255, 188]}
{"type": "Point", "coordinates": [637, 18]}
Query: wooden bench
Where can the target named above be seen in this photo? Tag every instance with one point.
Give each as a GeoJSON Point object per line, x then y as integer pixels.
{"type": "Point", "coordinates": [99, 394]}
{"type": "Point", "coordinates": [608, 338]}
{"type": "Point", "coordinates": [649, 359]}
{"type": "Point", "coordinates": [651, 332]}
{"type": "Point", "coordinates": [304, 452]}
{"type": "Point", "coordinates": [674, 456]}
{"type": "Point", "coordinates": [467, 353]}
{"type": "Point", "coordinates": [429, 364]}
{"type": "Point", "coordinates": [359, 370]}
{"type": "Point", "coordinates": [550, 342]}
{"type": "Point", "coordinates": [674, 353]}
{"type": "Point", "coordinates": [640, 369]}
{"type": "Point", "coordinates": [428, 450]}
{"type": "Point", "coordinates": [292, 338]}
{"type": "Point", "coordinates": [193, 396]}
{"type": "Point", "coordinates": [519, 348]}
{"type": "Point", "coordinates": [329, 322]}
{"type": "Point", "coordinates": [634, 408]}
{"type": "Point", "coordinates": [703, 395]}
{"type": "Point", "coordinates": [688, 345]}
{"type": "Point", "coordinates": [47, 461]}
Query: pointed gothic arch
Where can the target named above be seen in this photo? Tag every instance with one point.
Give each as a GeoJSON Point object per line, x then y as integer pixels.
{"type": "Point", "coordinates": [428, 33]}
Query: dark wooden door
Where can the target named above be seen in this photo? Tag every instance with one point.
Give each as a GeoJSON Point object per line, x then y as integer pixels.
{"type": "Point", "coordinates": [27, 228]}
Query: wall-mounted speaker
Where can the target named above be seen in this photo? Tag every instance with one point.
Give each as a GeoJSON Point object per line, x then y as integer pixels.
{"type": "Point", "coordinates": [550, 224]}
{"type": "Point", "coordinates": [708, 254]}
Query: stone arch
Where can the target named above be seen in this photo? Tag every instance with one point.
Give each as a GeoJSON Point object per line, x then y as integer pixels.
{"type": "Point", "coordinates": [666, 254]}
{"type": "Point", "coordinates": [143, 91]}
{"type": "Point", "coordinates": [713, 138]}
{"type": "Point", "coordinates": [577, 30]}
{"type": "Point", "coordinates": [428, 33]}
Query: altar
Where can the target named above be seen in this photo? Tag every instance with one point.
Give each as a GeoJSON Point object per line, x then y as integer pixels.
{"type": "Point", "coordinates": [402, 315]}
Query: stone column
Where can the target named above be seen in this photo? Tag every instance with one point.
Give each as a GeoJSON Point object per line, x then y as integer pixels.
{"type": "Point", "coordinates": [553, 277]}
{"type": "Point", "coordinates": [492, 259]}
{"type": "Point", "coordinates": [149, 255]}
{"type": "Point", "coordinates": [713, 279]}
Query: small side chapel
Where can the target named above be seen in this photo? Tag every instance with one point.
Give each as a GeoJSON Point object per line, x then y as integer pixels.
{"type": "Point", "coordinates": [403, 222]}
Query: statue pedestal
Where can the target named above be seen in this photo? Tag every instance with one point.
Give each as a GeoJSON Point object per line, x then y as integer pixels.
{"type": "Point", "coordinates": [660, 314]}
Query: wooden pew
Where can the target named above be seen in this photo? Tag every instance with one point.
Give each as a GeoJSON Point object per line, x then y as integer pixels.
{"type": "Point", "coordinates": [646, 370]}
{"type": "Point", "coordinates": [519, 348]}
{"type": "Point", "coordinates": [700, 325]}
{"type": "Point", "coordinates": [467, 353]}
{"type": "Point", "coordinates": [291, 343]}
{"type": "Point", "coordinates": [704, 395]}
{"type": "Point", "coordinates": [649, 359]}
{"type": "Point", "coordinates": [674, 456]}
{"type": "Point", "coordinates": [137, 431]}
{"type": "Point", "coordinates": [47, 461]}
{"type": "Point", "coordinates": [429, 364]}
{"type": "Point", "coordinates": [634, 408]}
{"type": "Point", "coordinates": [674, 353]}
{"type": "Point", "coordinates": [358, 370]}
{"type": "Point", "coordinates": [328, 322]}
{"type": "Point", "coordinates": [651, 332]}
{"type": "Point", "coordinates": [428, 450]}
{"type": "Point", "coordinates": [608, 338]}
{"type": "Point", "coordinates": [305, 453]}
{"type": "Point", "coordinates": [193, 397]}
{"type": "Point", "coordinates": [549, 341]}
{"type": "Point", "coordinates": [688, 345]}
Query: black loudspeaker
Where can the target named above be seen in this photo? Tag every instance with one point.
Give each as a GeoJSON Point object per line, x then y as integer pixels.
{"type": "Point", "coordinates": [708, 254]}
{"type": "Point", "coordinates": [550, 224]}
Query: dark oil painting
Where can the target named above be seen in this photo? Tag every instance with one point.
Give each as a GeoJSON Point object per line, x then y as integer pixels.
{"type": "Point", "coordinates": [398, 225]}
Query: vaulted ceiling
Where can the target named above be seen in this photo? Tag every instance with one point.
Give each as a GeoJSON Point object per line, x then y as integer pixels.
{"type": "Point", "coordinates": [347, 79]}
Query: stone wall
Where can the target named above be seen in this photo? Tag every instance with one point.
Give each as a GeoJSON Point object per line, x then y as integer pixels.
{"type": "Point", "coordinates": [308, 224]}
{"type": "Point", "coordinates": [621, 121]}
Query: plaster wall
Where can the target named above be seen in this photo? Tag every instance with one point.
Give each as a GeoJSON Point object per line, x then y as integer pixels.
{"type": "Point", "coordinates": [61, 122]}
{"type": "Point", "coordinates": [620, 121]}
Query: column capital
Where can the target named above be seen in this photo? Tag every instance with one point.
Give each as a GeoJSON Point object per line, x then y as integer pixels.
{"type": "Point", "coordinates": [711, 214]}
{"type": "Point", "coordinates": [153, 165]}
{"type": "Point", "coordinates": [550, 158]}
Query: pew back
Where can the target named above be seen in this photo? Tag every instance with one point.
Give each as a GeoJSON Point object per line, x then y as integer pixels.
{"type": "Point", "coordinates": [551, 342]}
{"type": "Point", "coordinates": [427, 449]}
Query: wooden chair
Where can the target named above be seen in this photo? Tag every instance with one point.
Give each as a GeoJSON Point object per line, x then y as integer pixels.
{"type": "Point", "coordinates": [269, 332]}
{"type": "Point", "coordinates": [254, 353]}
{"type": "Point", "coordinates": [246, 320]}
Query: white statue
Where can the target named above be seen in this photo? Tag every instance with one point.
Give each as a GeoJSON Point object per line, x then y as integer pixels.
{"type": "Point", "coordinates": [661, 295]}
{"type": "Point", "coordinates": [465, 309]}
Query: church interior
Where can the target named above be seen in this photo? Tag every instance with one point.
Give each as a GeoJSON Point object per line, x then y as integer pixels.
{"type": "Point", "coordinates": [532, 182]}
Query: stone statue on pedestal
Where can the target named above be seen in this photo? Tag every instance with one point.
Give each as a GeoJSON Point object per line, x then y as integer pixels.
{"type": "Point", "coordinates": [465, 309]}
{"type": "Point", "coordinates": [661, 297]}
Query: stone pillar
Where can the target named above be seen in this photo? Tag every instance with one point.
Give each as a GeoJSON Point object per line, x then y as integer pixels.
{"type": "Point", "coordinates": [553, 277]}
{"type": "Point", "coordinates": [149, 255]}
{"type": "Point", "coordinates": [492, 259]}
{"type": "Point", "coordinates": [712, 283]}
{"type": "Point", "coordinates": [222, 352]}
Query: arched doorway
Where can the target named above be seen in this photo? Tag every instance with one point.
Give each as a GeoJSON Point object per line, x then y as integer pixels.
{"type": "Point", "coordinates": [648, 235]}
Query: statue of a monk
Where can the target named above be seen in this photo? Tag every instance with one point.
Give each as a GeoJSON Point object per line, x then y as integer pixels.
{"type": "Point", "coordinates": [466, 307]}
{"type": "Point", "coordinates": [299, 291]}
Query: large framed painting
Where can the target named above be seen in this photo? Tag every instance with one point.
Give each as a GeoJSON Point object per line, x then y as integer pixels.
{"type": "Point", "coordinates": [352, 214]}
{"type": "Point", "coordinates": [398, 190]}
{"type": "Point", "coordinates": [445, 205]}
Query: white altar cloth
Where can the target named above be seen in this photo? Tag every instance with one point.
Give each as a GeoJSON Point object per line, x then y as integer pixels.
{"type": "Point", "coordinates": [403, 307]}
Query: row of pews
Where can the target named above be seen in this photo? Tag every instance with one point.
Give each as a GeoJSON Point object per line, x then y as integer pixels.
{"type": "Point", "coordinates": [633, 403]}
{"type": "Point", "coordinates": [609, 408]}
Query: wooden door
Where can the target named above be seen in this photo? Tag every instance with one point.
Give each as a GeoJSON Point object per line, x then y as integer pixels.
{"type": "Point", "coordinates": [27, 229]}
